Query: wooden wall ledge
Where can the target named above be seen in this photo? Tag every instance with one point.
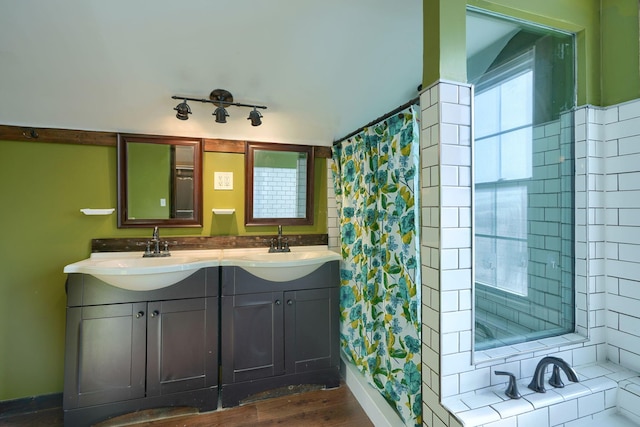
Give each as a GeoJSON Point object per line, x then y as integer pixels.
{"type": "Point", "coordinates": [87, 137]}
{"type": "Point", "coordinates": [206, 242]}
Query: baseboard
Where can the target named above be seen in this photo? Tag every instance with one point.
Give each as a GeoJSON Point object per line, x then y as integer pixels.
{"type": "Point", "coordinates": [371, 401]}
{"type": "Point", "coordinates": [28, 405]}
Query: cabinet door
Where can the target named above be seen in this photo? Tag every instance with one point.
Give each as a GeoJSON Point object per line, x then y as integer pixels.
{"type": "Point", "coordinates": [182, 345]}
{"type": "Point", "coordinates": [106, 348]}
{"type": "Point", "coordinates": [252, 337]}
{"type": "Point", "coordinates": [311, 330]}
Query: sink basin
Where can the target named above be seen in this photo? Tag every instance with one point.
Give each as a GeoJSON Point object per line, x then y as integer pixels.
{"type": "Point", "coordinates": [140, 274]}
{"type": "Point", "coordinates": [279, 266]}
{"type": "Point", "coordinates": [132, 263]}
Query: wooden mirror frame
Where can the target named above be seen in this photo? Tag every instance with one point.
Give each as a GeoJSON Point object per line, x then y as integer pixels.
{"type": "Point", "coordinates": [250, 149]}
{"type": "Point", "coordinates": [123, 191]}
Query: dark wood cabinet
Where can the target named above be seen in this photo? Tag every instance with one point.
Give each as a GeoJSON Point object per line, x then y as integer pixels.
{"type": "Point", "coordinates": [128, 350]}
{"type": "Point", "coordinates": [109, 361]}
{"type": "Point", "coordinates": [253, 337]}
{"type": "Point", "coordinates": [311, 329]}
{"type": "Point", "coordinates": [277, 334]}
{"type": "Point", "coordinates": [221, 329]}
{"type": "Point", "coordinates": [182, 345]}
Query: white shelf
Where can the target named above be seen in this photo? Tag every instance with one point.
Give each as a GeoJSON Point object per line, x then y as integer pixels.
{"type": "Point", "coordinates": [88, 211]}
{"type": "Point", "coordinates": [223, 211]}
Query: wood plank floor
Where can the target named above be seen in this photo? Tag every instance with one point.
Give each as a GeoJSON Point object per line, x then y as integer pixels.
{"type": "Point", "coordinates": [336, 408]}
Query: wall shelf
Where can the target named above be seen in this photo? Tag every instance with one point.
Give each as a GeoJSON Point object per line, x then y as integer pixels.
{"type": "Point", "coordinates": [88, 211]}
{"type": "Point", "coordinates": [223, 211]}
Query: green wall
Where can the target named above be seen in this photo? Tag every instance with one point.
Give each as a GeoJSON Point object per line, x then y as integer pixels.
{"type": "Point", "coordinates": [607, 41]}
{"type": "Point", "coordinates": [275, 159]}
{"type": "Point", "coordinates": [149, 179]}
{"type": "Point", "coordinates": [444, 33]}
{"type": "Point", "coordinates": [620, 46]}
{"type": "Point", "coordinates": [43, 187]}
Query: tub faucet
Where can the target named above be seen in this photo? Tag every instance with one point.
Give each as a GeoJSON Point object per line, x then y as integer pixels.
{"type": "Point", "coordinates": [279, 244]}
{"type": "Point", "coordinates": [537, 382]}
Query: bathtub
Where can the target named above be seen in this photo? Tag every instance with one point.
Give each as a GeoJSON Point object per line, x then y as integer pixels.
{"type": "Point", "coordinates": [606, 396]}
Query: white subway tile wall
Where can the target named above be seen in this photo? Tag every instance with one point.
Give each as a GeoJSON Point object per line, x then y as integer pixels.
{"type": "Point", "coordinates": [302, 187]}
{"type": "Point", "coordinates": [446, 231]}
{"type": "Point", "coordinates": [279, 194]}
{"type": "Point", "coordinates": [333, 223]}
{"type": "Point", "coordinates": [453, 372]}
{"type": "Point", "coordinates": [622, 230]}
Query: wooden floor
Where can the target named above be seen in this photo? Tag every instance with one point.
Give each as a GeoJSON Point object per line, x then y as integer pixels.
{"type": "Point", "coordinates": [336, 407]}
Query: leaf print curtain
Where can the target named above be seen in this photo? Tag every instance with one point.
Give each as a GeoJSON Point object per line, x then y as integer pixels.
{"type": "Point", "coordinates": [376, 179]}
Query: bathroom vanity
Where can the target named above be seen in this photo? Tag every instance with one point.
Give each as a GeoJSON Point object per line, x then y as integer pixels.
{"type": "Point", "coordinates": [131, 350]}
{"type": "Point", "coordinates": [134, 342]}
{"type": "Point", "coordinates": [277, 334]}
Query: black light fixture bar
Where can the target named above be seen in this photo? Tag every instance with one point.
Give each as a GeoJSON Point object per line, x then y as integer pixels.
{"type": "Point", "coordinates": [221, 98]}
{"type": "Point", "coordinates": [218, 102]}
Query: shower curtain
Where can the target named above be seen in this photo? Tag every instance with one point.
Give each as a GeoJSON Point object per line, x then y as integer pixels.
{"type": "Point", "coordinates": [376, 180]}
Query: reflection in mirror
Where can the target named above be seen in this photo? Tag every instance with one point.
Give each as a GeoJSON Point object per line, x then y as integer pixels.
{"type": "Point", "coordinates": [523, 207]}
{"type": "Point", "coordinates": [159, 181]}
{"type": "Point", "coordinates": [279, 184]}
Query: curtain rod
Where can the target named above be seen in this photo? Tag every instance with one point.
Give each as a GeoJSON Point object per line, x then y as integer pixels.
{"type": "Point", "coordinates": [379, 119]}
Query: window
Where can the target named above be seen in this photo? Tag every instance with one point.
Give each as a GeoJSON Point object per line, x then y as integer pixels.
{"type": "Point", "coordinates": [504, 120]}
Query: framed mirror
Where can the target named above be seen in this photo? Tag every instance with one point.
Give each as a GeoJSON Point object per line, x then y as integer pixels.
{"type": "Point", "coordinates": [279, 184]}
{"type": "Point", "coordinates": [159, 181]}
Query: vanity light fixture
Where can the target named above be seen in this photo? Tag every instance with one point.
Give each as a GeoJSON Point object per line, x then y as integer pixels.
{"type": "Point", "coordinates": [183, 110]}
{"type": "Point", "coordinates": [221, 115]}
{"type": "Point", "coordinates": [255, 117]}
{"type": "Point", "coordinates": [222, 99]}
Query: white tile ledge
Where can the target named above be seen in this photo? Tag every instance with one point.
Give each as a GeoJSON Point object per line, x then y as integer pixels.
{"type": "Point", "coordinates": [545, 345]}
{"type": "Point", "coordinates": [594, 378]}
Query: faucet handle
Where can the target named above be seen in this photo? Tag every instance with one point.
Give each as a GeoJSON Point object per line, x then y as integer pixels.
{"type": "Point", "coordinates": [512, 388]}
{"type": "Point", "coordinates": [166, 252]}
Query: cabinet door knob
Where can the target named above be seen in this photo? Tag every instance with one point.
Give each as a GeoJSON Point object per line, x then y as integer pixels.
{"type": "Point", "coordinates": [155, 313]}
{"type": "Point", "coordinates": [289, 302]}
{"type": "Point", "coordinates": [139, 314]}
{"type": "Point", "coordinates": [278, 302]}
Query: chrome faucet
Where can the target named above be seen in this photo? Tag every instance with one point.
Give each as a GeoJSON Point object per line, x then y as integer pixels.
{"type": "Point", "coordinates": [279, 244]}
{"type": "Point", "coordinates": [537, 382]}
{"type": "Point", "coordinates": [155, 242]}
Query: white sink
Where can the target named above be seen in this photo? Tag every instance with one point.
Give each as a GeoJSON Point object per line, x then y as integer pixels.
{"type": "Point", "coordinates": [131, 271]}
{"type": "Point", "coordinates": [127, 264]}
{"type": "Point", "coordinates": [279, 266]}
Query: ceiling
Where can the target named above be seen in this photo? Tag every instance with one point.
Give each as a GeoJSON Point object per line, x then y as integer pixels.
{"type": "Point", "coordinates": [485, 38]}
{"type": "Point", "coordinates": [484, 31]}
{"type": "Point", "coordinates": [323, 68]}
